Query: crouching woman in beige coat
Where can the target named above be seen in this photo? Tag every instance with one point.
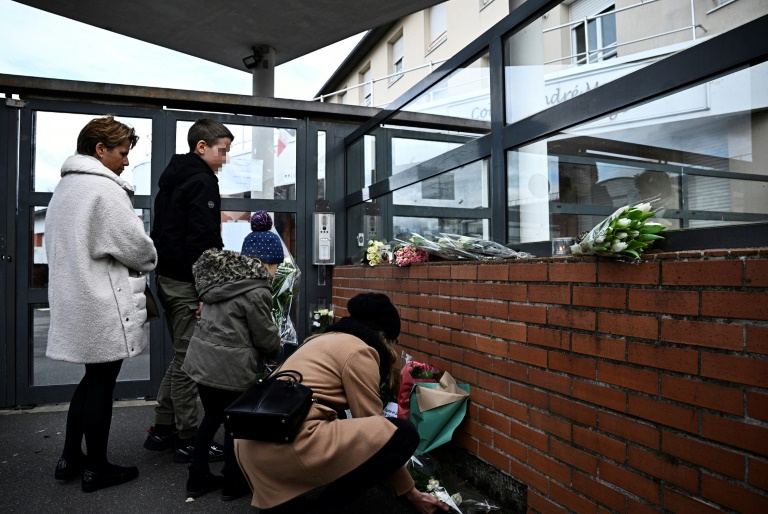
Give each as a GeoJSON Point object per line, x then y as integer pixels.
{"type": "Point", "coordinates": [344, 367]}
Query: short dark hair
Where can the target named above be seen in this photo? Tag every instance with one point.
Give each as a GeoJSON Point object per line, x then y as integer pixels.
{"type": "Point", "coordinates": [209, 131]}
{"type": "Point", "coordinates": [105, 130]}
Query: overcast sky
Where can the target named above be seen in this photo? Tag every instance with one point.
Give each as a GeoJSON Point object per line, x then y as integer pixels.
{"type": "Point", "coordinates": [40, 44]}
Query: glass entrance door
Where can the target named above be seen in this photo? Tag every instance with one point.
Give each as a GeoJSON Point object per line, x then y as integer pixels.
{"type": "Point", "coordinates": [48, 135]}
{"type": "Point", "coordinates": [267, 170]}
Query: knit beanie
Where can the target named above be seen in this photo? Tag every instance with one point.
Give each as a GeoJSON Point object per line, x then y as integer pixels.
{"type": "Point", "coordinates": [376, 311]}
{"type": "Point", "coordinates": [262, 243]}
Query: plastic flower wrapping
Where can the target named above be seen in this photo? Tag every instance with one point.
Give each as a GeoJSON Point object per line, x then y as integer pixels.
{"type": "Point", "coordinates": [454, 247]}
{"type": "Point", "coordinates": [482, 247]}
{"type": "Point", "coordinates": [625, 233]}
{"type": "Point", "coordinates": [285, 288]}
{"type": "Point", "coordinates": [460, 497]}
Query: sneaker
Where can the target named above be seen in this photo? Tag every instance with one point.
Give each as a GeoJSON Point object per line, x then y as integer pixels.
{"type": "Point", "coordinates": [160, 438]}
{"type": "Point", "coordinates": [183, 453]}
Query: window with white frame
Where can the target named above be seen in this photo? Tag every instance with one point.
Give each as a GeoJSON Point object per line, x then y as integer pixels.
{"type": "Point", "coordinates": [367, 93]}
{"type": "Point", "coordinates": [397, 50]}
{"type": "Point", "coordinates": [593, 38]}
{"type": "Point", "coordinates": [438, 25]}
{"type": "Point", "coordinates": [718, 4]}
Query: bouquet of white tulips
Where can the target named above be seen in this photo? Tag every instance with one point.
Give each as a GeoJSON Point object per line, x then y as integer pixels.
{"type": "Point", "coordinates": [624, 233]}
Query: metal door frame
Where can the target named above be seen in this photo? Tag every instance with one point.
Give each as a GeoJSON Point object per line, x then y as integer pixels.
{"type": "Point", "coordinates": [9, 137]}
{"type": "Point", "coordinates": [24, 294]}
{"type": "Point", "coordinates": [18, 357]}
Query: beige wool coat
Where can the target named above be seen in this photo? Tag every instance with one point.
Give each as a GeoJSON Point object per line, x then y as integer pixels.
{"type": "Point", "coordinates": [343, 371]}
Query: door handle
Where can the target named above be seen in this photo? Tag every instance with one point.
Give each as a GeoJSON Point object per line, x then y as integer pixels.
{"type": "Point", "coordinates": [7, 258]}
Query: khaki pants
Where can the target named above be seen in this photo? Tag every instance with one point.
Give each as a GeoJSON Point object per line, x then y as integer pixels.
{"type": "Point", "coordinates": [177, 397]}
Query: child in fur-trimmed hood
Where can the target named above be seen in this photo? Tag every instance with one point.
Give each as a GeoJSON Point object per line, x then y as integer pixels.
{"type": "Point", "coordinates": [234, 333]}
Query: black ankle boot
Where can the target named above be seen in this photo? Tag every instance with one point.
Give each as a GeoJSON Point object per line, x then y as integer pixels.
{"type": "Point", "coordinates": [202, 482]}
{"type": "Point", "coordinates": [234, 488]}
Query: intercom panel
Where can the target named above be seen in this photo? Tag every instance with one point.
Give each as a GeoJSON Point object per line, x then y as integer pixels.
{"type": "Point", "coordinates": [324, 247]}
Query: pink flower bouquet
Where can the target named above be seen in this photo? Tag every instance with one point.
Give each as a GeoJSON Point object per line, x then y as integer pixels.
{"type": "Point", "coordinates": [408, 254]}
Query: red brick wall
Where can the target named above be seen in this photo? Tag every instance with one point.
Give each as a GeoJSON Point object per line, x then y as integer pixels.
{"type": "Point", "coordinates": [602, 386]}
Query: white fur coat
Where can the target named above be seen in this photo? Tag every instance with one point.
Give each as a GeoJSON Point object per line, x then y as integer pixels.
{"type": "Point", "coordinates": [98, 254]}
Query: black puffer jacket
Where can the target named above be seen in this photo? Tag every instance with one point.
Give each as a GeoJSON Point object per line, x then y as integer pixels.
{"type": "Point", "coordinates": [187, 216]}
{"type": "Point", "coordinates": [235, 329]}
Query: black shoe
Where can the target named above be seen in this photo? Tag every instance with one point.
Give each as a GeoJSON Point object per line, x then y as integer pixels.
{"type": "Point", "coordinates": [68, 469]}
{"type": "Point", "coordinates": [160, 438]}
{"type": "Point", "coordinates": [114, 475]}
{"type": "Point", "coordinates": [183, 453]}
{"type": "Point", "coordinates": [234, 489]}
{"type": "Point", "coordinates": [199, 483]}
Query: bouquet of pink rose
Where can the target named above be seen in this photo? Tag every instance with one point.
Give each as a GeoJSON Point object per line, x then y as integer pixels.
{"type": "Point", "coordinates": [406, 255]}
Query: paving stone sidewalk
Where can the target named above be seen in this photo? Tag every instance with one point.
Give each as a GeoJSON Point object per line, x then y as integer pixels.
{"type": "Point", "coordinates": [31, 442]}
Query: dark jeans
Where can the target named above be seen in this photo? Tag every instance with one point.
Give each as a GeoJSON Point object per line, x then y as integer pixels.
{"type": "Point", "coordinates": [90, 415]}
{"type": "Point", "coordinates": [337, 495]}
{"type": "Point", "coordinates": [214, 402]}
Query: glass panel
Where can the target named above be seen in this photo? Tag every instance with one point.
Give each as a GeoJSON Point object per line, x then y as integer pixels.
{"type": "Point", "coordinates": [361, 164]}
{"type": "Point", "coordinates": [700, 156]}
{"type": "Point", "coordinates": [462, 188]}
{"type": "Point", "coordinates": [433, 227]}
{"type": "Point", "coordinates": [47, 371]}
{"type": "Point", "coordinates": [56, 139]}
{"type": "Point", "coordinates": [545, 63]}
{"type": "Point", "coordinates": [39, 270]}
{"type": "Point", "coordinates": [465, 93]}
{"type": "Point", "coordinates": [261, 164]}
{"type": "Point", "coordinates": [321, 180]}
{"type": "Point", "coordinates": [236, 225]}
{"type": "Point", "coordinates": [369, 157]}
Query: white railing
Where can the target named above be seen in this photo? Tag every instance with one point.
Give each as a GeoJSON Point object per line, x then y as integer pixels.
{"type": "Point", "coordinates": [392, 78]}
{"type": "Point", "coordinates": [587, 56]}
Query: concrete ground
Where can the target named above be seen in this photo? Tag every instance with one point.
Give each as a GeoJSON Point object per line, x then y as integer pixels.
{"type": "Point", "coordinates": [31, 442]}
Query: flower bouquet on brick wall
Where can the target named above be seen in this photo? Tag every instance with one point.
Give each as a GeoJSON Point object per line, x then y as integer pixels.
{"type": "Point", "coordinates": [376, 252]}
{"type": "Point", "coordinates": [483, 248]}
{"type": "Point", "coordinates": [625, 233]}
{"type": "Point", "coordinates": [454, 247]}
{"type": "Point", "coordinates": [407, 254]}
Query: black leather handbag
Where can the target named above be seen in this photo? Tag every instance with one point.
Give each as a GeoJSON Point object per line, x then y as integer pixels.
{"type": "Point", "coordinates": [272, 409]}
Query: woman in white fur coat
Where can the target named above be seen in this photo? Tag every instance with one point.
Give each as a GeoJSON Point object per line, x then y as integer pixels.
{"type": "Point", "coordinates": [98, 254]}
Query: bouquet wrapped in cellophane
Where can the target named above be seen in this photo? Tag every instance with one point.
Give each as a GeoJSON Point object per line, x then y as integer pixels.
{"type": "Point", "coordinates": [447, 250]}
{"type": "Point", "coordinates": [625, 233]}
{"type": "Point", "coordinates": [483, 247]}
{"type": "Point", "coordinates": [285, 287]}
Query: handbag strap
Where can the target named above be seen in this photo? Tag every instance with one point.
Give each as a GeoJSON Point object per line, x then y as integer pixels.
{"type": "Point", "coordinates": [292, 374]}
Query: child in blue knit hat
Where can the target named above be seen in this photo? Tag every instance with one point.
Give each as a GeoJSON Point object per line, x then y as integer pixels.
{"type": "Point", "coordinates": [262, 243]}
{"type": "Point", "coordinates": [234, 333]}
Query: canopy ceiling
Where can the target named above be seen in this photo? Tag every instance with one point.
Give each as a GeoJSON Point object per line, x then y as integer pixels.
{"type": "Point", "coordinates": [225, 32]}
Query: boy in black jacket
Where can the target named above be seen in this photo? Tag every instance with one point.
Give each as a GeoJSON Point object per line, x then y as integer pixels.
{"type": "Point", "coordinates": [187, 221]}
